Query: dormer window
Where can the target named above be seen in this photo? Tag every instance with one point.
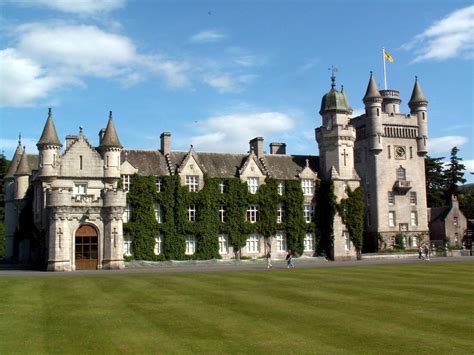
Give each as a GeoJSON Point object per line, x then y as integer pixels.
{"type": "Point", "coordinates": [252, 183]}
{"type": "Point", "coordinates": [192, 181]}
{"type": "Point", "coordinates": [307, 186]}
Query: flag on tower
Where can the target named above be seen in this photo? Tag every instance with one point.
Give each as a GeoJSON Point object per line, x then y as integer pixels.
{"type": "Point", "coordinates": [387, 56]}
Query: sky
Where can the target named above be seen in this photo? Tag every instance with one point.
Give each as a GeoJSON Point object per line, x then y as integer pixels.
{"type": "Point", "coordinates": [218, 73]}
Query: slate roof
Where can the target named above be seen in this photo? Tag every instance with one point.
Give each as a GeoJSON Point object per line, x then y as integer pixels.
{"type": "Point", "coordinates": [148, 162]}
{"type": "Point", "coordinates": [417, 96]}
{"type": "Point", "coordinates": [23, 167]}
{"type": "Point", "coordinates": [14, 162]}
{"type": "Point", "coordinates": [223, 165]}
{"type": "Point", "coordinates": [49, 135]}
{"type": "Point", "coordinates": [110, 138]}
{"type": "Point", "coordinates": [372, 91]}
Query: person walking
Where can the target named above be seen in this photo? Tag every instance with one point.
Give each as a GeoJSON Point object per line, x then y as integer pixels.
{"type": "Point", "coordinates": [420, 253]}
{"type": "Point", "coordinates": [269, 260]}
{"type": "Point", "coordinates": [426, 251]}
{"type": "Point", "coordinates": [289, 260]}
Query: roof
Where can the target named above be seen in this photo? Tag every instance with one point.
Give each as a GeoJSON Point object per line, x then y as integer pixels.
{"type": "Point", "coordinates": [23, 167]}
{"type": "Point", "coordinates": [49, 135]}
{"type": "Point", "coordinates": [15, 161]}
{"type": "Point", "coordinates": [110, 138]}
{"type": "Point", "coordinates": [335, 101]}
{"type": "Point", "coordinates": [148, 162]}
{"type": "Point", "coordinates": [372, 91]}
{"type": "Point", "coordinates": [417, 96]}
{"type": "Point", "coordinates": [223, 165]}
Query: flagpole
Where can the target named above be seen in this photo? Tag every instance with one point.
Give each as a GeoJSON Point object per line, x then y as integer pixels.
{"type": "Point", "coordinates": [384, 69]}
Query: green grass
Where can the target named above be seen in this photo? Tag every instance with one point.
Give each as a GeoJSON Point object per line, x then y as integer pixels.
{"type": "Point", "coordinates": [419, 308]}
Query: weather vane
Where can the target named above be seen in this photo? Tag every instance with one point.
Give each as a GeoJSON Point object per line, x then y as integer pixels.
{"type": "Point", "coordinates": [333, 70]}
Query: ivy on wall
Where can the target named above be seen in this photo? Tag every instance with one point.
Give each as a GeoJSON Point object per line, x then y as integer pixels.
{"type": "Point", "coordinates": [295, 223]}
{"type": "Point", "coordinates": [351, 210]}
{"type": "Point", "coordinates": [326, 208]}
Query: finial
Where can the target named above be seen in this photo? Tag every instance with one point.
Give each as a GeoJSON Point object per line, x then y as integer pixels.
{"type": "Point", "coordinates": [110, 114]}
{"type": "Point", "coordinates": [333, 70]}
{"type": "Point", "coordinates": [19, 138]}
{"type": "Point", "coordinates": [126, 155]}
{"type": "Point", "coordinates": [80, 131]}
{"type": "Point", "coordinates": [342, 88]}
{"type": "Point", "coordinates": [416, 77]}
{"type": "Point", "coordinates": [49, 111]}
{"type": "Point", "coordinates": [307, 162]}
{"type": "Point", "coordinates": [371, 73]}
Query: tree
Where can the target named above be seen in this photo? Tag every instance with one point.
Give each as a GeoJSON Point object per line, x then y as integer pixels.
{"type": "Point", "coordinates": [454, 174]}
{"type": "Point", "coordinates": [3, 170]}
{"type": "Point", "coordinates": [435, 181]}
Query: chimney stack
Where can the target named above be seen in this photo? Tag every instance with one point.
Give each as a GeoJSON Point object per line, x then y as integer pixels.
{"type": "Point", "coordinates": [256, 145]}
{"type": "Point", "coordinates": [165, 143]}
{"type": "Point", "coordinates": [278, 148]}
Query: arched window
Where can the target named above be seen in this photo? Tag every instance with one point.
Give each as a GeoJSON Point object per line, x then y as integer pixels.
{"type": "Point", "coordinates": [401, 173]}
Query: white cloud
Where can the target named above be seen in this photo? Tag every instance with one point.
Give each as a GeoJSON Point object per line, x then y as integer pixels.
{"type": "Point", "coordinates": [227, 82]}
{"type": "Point", "coordinates": [446, 143]}
{"type": "Point", "coordinates": [453, 36]}
{"type": "Point", "coordinates": [83, 7]}
{"type": "Point", "coordinates": [232, 133]}
{"type": "Point", "coordinates": [207, 36]}
{"type": "Point", "coordinates": [51, 55]}
{"type": "Point", "coordinates": [469, 164]}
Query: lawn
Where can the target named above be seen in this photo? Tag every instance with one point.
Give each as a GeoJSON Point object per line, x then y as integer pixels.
{"type": "Point", "coordinates": [418, 308]}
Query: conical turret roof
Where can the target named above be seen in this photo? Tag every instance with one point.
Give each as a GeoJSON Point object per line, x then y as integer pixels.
{"type": "Point", "coordinates": [417, 96]}
{"type": "Point", "coordinates": [110, 139]}
{"type": "Point", "coordinates": [372, 90]}
{"type": "Point", "coordinates": [23, 167]}
{"type": "Point", "coordinates": [49, 135]}
{"type": "Point", "coordinates": [15, 161]}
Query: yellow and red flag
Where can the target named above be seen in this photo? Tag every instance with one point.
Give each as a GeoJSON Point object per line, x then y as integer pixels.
{"type": "Point", "coordinates": [387, 56]}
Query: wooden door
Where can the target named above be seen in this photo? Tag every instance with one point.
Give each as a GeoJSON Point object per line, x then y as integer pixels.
{"type": "Point", "coordinates": [86, 250]}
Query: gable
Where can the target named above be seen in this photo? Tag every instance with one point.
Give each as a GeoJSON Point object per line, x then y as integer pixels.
{"type": "Point", "coordinates": [81, 160]}
{"type": "Point", "coordinates": [127, 169]}
{"type": "Point", "coordinates": [190, 167]}
{"type": "Point", "coordinates": [251, 168]}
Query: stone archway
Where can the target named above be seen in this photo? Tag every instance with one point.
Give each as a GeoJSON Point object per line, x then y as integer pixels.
{"type": "Point", "coordinates": [86, 248]}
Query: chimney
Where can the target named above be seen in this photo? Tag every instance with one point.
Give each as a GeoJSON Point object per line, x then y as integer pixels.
{"type": "Point", "coordinates": [278, 148]}
{"type": "Point", "coordinates": [101, 135]}
{"type": "Point", "coordinates": [256, 145]}
{"type": "Point", "coordinates": [70, 139]}
{"type": "Point", "coordinates": [165, 142]}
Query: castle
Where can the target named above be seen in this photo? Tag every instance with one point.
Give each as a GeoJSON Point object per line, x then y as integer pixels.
{"type": "Point", "coordinates": [78, 192]}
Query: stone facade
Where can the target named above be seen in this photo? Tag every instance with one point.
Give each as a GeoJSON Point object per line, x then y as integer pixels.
{"type": "Point", "coordinates": [81, 210]}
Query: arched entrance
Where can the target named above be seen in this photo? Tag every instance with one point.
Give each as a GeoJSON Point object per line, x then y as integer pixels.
{"type": "Point", "coordinates": [86, 241]}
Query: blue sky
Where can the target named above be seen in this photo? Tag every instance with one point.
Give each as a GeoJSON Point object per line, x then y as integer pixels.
{"type": "Point", "coordinates": [217, 73]}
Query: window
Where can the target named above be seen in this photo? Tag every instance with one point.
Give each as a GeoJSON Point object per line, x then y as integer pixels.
{"type": "Point", "coordinates": [159, 245]}
{"type": "Point", "coordinates": [391, 219]}
{"type": "Point", "coordinates": [455, 221]}
{"type": "Point", "coordinates": [127, 214]}
{"type": "Point", "coordinates": [280, 213]}
{"type": "Point", "coordinates": [80, 162]}
{"type": "Point", "coordinates": [253, 245]}
{"type": "Point", "coordinates": [280, 242]}
{"type": "Point", "coordinates": [127, 247]}
{"type": "Point", "coordinates": [309, 242]}
{"type": "Point", "coordinates": [252, 183]}
{"type": "Point", "coordinates": [191, 213]}
{"type": "Point", "coordinates": [401, 174]}
{"type": "Point", "coordinates": [391, 198]}
{"type": "Point", "coordinates": [414, 242]}
{"type": "Point", "coordinates": [308, 212]}
{"type": "Point", "coordinates": [158, 215]}
{"type": "Point", "coordinates": [413, 198]}
{"type": "Point", "coordinates": [158, 184]}
{"type": "Point", "coordinates": [389, 152]}
{"type": "Point", "coordinates": [222, 213]}
{"type": "Point", "coordinates": [307, 186]}
{"type": "Point", "coordinates": [281, 187]}
{"type": "Point", "coordinates": [192, 182]}
{"type": "Point", "coordinates": [252, 214]}
{"type": "Point", "coordinates": [223, 244]}
{"type": "Point", "coordinates": [126, 182]}
{"type": "Point", "coordinates": [222, 186]}
{"type": "Point", "coordinates": [190, 245]}
{"type": "Point", "coordinates": [347, 241]}
{"type": "Point", "coordinates": [414, 218]}
{"type": "Point", "coordinates": [80, 189]}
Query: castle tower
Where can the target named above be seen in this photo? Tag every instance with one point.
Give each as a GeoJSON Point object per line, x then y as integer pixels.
{"type": "Point", "coordinates": [110, 148]}
{"type": "Point", "coordinates": [11, 210]}
{"type": "Point", "coordinates": [373, 110]}
{"type": "Point", "coordinates": [336, 137]}
{"type": "Point", "coordinates": [48, 147]}
{"type": "Point", "coordinates": [22, 176]}
{"type": "Point", "coordinates": [418, 106]}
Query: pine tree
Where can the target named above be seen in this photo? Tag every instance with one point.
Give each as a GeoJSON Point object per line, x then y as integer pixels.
{"type": "Point", "coordinates": [454, 174]}
{"type": "Point", "coordinates": [435, 181]}
{"type": "Point", "coordinates": [3, 170]}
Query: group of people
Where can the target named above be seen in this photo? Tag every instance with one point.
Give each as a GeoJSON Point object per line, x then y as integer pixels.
{"type": "Point", "coordinates": [424, 252]}
{"type": "Point", "coordinates": [289, 260]}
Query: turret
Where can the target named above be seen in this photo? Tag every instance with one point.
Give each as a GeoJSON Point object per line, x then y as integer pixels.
{"type": "Point", "coordinates": [336, 136]}
{"type": "Point", "coordinates": [9, 176]}
{"type": "Point", "coordinates": [418, 106]}
{"type": "Point", "coordinates": [22, 176]}
{"type": "Point", "coordinates": [391, 101]}
{"type": "Point", "coordinates": [110, 149]}
{"type": "Point", "coordinates": [373, 110]}
{"type": "Point", "coordinates": [48, 147]}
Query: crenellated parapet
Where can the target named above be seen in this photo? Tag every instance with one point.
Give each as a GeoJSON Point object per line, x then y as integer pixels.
{"type": "Point", "coordinates": [113, 198]}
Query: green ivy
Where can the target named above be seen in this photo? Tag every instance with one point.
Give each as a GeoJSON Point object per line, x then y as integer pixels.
{"type": "Point", "coordinates": [295, 223]}
{"type": "Point", "coordinates": [351, 210]}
